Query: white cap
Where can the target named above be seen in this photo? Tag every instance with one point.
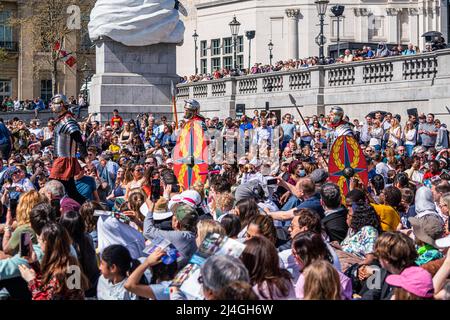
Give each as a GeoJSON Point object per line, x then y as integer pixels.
{"type": "Point", "coordinates": [189, 197]}
{"type": "Point", "coordinates": [443, 242]}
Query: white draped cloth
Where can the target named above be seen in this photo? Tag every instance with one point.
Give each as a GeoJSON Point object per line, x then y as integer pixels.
{"type": "Point", "coordinates": [136, 22]}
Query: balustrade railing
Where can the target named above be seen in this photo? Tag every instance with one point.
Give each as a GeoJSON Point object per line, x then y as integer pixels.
{"type": "Point", "coordinates": [378, 71]}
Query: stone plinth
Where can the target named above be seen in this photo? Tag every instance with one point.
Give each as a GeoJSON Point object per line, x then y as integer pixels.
{"type": "Point", "coordinates": [133, 79]}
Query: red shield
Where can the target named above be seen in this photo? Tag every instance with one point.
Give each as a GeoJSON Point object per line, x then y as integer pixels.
{"type": "Point", "coordinates": [190, 155]}
{"type": "Point", "coordinates": [344, 154]}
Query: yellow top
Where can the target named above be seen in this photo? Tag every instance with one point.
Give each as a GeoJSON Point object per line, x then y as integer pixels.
{"type": "Point", "coordinates": [115, 149]}
{"type": "Point", "coordinates": [389, 218]}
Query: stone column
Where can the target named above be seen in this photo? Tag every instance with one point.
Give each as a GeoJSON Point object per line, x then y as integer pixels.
{"type": "Point", "coordinates": [362, 18]}
{"type": "Point", "coordinates": [443, 13]}
{"type": "Point", "coordinates": [25, 72]}
{"type": "Point", "coordinates": [414, 36]}
{"type": "Point", "coordinates": [422, 23]}
{"type": "Point", "coordinates": [292, 15]}
{"type": "Point", "coordinates": [393, 25]}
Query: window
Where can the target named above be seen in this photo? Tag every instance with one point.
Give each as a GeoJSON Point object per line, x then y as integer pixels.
{"type": "Point", "coordinates": [203, 66]}
{"type": "Point", "coordinates": [227, 45]}
{"type": "Point", "coordinates": [6, 37]}
{"type": "Point", "coordinates": [376, 27]}
{"type": "Point", "coordinates": [203, 48]}
{"type": "Point", "coordinates": [215, 64]}
{"type": "Point", "coordinates": [240, 62]}
{"type": "Point", "coordinates": [46, 90]}
{"type": "Point", "coordinates": [215, 45]}
{"type": "Point", "coordinates": [240, 44]}
{"type": "Point", "coordinates": [5, 89]}
{"type": "Point", "coordinates": [228, 62]}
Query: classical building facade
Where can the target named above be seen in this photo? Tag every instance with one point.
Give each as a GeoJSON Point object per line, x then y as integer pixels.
{"type": "Point", "coordinates": [292, 27]}
{"type": "Point", "coordinates": [24, 74]}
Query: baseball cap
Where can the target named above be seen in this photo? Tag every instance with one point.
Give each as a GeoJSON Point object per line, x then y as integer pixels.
{"type": "Point", "coordinates": [415, 280]}
{"type": "Point", "coordinates": [183, 211]}
{"type": "Point", "coordinates": [428, 228]}
{"type": "Point", "coordinates": [443, 242]}
{"type": "Point", "coordinates": [189, 197]}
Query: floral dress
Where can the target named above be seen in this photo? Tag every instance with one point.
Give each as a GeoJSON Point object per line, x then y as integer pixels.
{"type": "Point", "coordinates": [360, 243]}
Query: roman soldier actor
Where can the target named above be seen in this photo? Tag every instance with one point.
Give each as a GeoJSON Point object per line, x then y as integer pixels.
{"type": "Point", "coordinates": [192, 112]}
{"type": "Point", "coordinates": [339, 126]}
{"type": "Point", "coordinates": [66, 138]}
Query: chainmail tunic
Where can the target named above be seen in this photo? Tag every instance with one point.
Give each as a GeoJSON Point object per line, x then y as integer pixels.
{"type": "Point", "coordinates": [63, 144]}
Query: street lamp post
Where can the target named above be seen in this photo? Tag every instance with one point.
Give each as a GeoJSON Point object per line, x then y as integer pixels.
{"type": "Point", "coordinates": [234, 27]}
{"type": "Point", "coordinates": [86, 73]}
{"type": "Point", "coordinates": [321, 6]}
{"type": "Point", "coordinates": [270, 45]}
{"type": "Point", "coordinates": [250, 35]}
{"type": "Point", "coordinates": [195, 36]}
{"type": "Point", "coordinates": [337, 11]}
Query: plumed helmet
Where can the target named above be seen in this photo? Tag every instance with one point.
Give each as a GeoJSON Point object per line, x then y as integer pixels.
{"type": "Point", "coordinates": [60, 99]}
{"type": "Point", "coordinates": [337, 114]}
{"type": "Point", "coordinates": [192, 105]}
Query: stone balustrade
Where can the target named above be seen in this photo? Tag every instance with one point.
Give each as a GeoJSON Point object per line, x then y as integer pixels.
{"type": "Point", "coordinates": [393, 84]}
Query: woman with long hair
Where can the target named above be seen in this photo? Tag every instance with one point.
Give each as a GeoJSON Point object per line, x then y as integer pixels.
{"type": "Point", "coordinates": [269, 282]}
{"type": "Point", "coordinates": [137, 171]}
{"type": "Point", "coordinates": [409, 137]}
{"type": "Point", "coordinates": [87, 213]}
{"type": "Point", "coordinates": [395, 133]}
{"type": "Point", "coordinates": [364, 228]}
{"type": "Point", "coordinates": [49, 279]}
{"type": "Point", "coordinates": [308, 247]}
{"type": "Point", "coordinates": [126, 136]}
{"type": "Point", "coordinates": [119, 188]}
{"type": "Point", "coordinates": [262, 225]}
{"type": "Point", "coordinates": [246, 210]}
{"type": "Point", "coordinates": [321, 282]}
{"type": "Point", "coordinates": [27, 202]}
{"type": "Point", "coordinates": [84, 246]}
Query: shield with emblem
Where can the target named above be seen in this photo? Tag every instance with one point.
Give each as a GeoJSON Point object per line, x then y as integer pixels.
{"type": "Point", "coordinates": [346, 161]}
{"type": "Point", "coordinates": [190, 155]}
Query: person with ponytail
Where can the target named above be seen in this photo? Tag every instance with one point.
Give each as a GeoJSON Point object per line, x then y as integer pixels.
{"type": "Point", "coordinates": [115, 266]}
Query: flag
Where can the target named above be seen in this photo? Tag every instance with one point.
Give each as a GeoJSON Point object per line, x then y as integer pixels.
{"type": "Point", "coordinates": [67, 58]}
{"type": "Point", "coordinates": [56, 46]}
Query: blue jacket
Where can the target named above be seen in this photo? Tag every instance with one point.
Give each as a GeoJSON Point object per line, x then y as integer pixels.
{"type": "Point", "coordinates": [314, 204]}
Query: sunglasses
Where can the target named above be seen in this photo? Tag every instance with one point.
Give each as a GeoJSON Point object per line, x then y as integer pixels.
{"type": "Point", "coordinates": [139, 170]}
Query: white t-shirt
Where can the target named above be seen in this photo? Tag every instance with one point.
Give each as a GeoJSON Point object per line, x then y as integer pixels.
{"type": "Point", "coordinates": [38, 132]}
{"type": "Point", "coordinates": [303, 130]}
{"type": "Point", "coordinates": [106, 290]}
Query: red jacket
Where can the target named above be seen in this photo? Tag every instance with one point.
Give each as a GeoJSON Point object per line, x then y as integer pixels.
{"type": "Point", "coordinates": [117, 119]}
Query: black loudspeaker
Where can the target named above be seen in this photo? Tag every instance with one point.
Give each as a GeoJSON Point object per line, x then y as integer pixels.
{"type": "Point", "coordinates": [412, 112]}
{"type": "Point", "coordinates": [240, 110]}
{"type": "Point", "coordinates": [267, 106]}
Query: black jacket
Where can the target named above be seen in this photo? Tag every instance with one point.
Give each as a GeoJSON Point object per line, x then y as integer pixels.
{"type": "Point", "coordinates": [335, 224]}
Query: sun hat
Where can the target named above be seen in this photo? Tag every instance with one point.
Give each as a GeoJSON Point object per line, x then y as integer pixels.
{"type": "Point", "coordinates": [415, 280]}
{"type": "Point", "coordinates": [161, 210]}
{"type": "Point", "coordinates": [427, 228]}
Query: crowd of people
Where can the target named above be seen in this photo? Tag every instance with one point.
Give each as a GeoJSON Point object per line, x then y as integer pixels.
{"type": "Point", "coordinates": [365, 53]}
{"type": "Point", "coordinates": [304, 239]}
{"type": "Point", "coordinates": [10, 104]}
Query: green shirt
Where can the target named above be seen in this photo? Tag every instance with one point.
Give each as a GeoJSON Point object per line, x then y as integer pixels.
{"type": "Point", "coordinates": [14, 242]}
